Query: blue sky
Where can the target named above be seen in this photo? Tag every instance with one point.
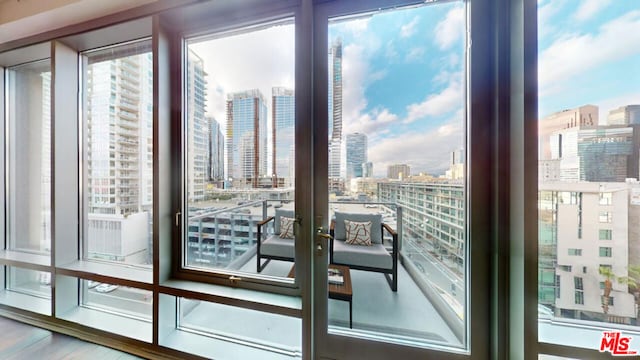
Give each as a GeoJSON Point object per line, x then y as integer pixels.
{"type": "Point", "coordinates": [589, 53]}
{"type": "Point", "coordinates": [403, 84]}
{"type": "Point", "coordinates": [403, 71]}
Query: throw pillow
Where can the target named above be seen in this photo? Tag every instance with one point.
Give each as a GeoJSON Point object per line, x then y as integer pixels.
{"type": "Point", "coordinates": [358, 233]}
{"type": "Point", "coordinates": [286, 227]}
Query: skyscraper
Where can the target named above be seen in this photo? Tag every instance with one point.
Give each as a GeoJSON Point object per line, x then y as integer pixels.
{"type": "Point", "coordinates": [246, 137]}
{"type": "Point", "coordinates": [216, 151]}
{"type": "Point", "coordinates": [198, 128]}
{"type": "Point", "coordinates": [335, 114]}
{"type": "Point", "coordinates": [118, 133]}
{"type": "Point", "coordinates": [356, 154]}
{"type": "Point", "coordinates": [283, 136]}
{"type": "Point", "coordinates": [624, 115]}
{"type": "Point", "coordinates": [585, 116]}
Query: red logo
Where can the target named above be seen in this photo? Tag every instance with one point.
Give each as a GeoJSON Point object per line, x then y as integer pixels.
{"type": "Point", "coordinates": [616, 344]}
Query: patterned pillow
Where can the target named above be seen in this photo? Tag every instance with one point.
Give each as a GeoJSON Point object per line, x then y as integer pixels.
{"type": "Point", "coordinates": [286, 227]}
{"type": "Point", "coordinates": [358, 233]}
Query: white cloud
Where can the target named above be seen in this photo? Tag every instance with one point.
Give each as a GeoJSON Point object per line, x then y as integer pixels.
{"type": "Point", "coordinates": [573, 55]}
{"type": "Point", "coordinates": [449, 99]}
{"type": "Point", "coordinates": [424, 151]}
{"type": "Point", "coordinates": [409, 29]}
{"type": "Point", "coordinates": [589, 8]}
{"type": "Point", "coordinates": [451, 29]}
{"type": "Point", "coordinates": [231, 65]}
{"type": "Point", "coordinates": [357, 26]}
{"type": "Point", "coordinates": [415, 54]}
{"type": "Point", "coordinates": [546, 27]}
{"type": "Point", "coordinates": [373, 123]}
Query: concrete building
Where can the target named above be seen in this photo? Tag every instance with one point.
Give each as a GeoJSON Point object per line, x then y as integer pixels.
{"type": "Point", "coordinates": [246, 137]}
{"type": "Point", "coordinates": [624, 115]}
{"type": "Point", "coordinates": [433, 212]}
{"type": "Point", "coordinates": [367, 169]}
{"type": "Point", "coordinates": [585, 117]}
{"type": "Point", "coordinates": [283, 136]}
{"type": "Point", "coordinates": [398, 171]}
{"type": "Point", "coordinates": [585, 226]}
{"type": "Point", "coordinates": [198, 128]}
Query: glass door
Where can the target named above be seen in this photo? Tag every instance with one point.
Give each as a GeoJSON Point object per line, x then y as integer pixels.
{"type": "Point", "coordinates": [393, 194]}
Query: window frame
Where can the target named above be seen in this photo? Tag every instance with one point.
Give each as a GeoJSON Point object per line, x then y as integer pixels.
{"type": "Point", "coordinates": [219, 25]}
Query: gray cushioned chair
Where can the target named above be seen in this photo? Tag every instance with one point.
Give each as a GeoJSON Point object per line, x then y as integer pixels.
{"type": "Point", "coordinates": [370, 258]}
{"type": "Point", "coordinates": [272, 246]}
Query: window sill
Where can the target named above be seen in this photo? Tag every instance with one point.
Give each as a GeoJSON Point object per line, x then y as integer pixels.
{"type": "Point", "coordinates": [136, 276]}
{"type": "Point", "coordinates": [113, 323]}
{"type": "Point", "coordinates": [26, 302]}
{"type": "Point", "coordinates": [42, 262]}
{"type": "Point", "coordinates": [251, 299]}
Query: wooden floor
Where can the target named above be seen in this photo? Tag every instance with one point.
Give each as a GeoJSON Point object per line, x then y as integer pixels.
{"type": "Point", "coordinates": [22, 341]}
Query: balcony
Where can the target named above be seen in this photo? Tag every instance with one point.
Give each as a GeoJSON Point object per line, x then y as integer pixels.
{"type": "Point", "coordinates": [429, 303]}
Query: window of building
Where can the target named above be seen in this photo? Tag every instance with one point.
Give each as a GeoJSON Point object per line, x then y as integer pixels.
{"type": "Point", "coordinates": [605, 198]}
{"type": "Point", "coordinates": [575, 252]}
{"type": "Point", "coordinates": [579, 297]}
{"type": "Point", "coordinates": [605, 216]}
{"type": "Point", "coordinates": [566, 268]}
{"type": "Point", "coordinates": [605, 252]}
{"type": "Point", "coordinates": [577, 283]}
{"type": "Point", "coordinates": [605, 234]}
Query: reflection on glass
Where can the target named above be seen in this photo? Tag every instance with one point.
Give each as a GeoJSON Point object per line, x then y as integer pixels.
{"type": "Point", "coordinates": [267, 330]}
{"type": "Point", "coordinates": [122, 300]}
{"type": "Point", "coordinates": [118, 156]}
{"type": "Point", "coordinates": [239, 147]}
{"type": "Point", "coordinates": [589, 194]}
{"type": "Point", "coordinates": [29, 282]}
{"type": "Point", "coordinates": [397, 115]}
{"type": "Point", "coordinates": [29, 177]}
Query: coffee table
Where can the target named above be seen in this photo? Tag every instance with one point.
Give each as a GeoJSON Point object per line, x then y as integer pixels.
{"type": "Point", "coordinates": [342, 291]}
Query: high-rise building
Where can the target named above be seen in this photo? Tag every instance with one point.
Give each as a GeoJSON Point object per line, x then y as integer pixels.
{"type": "Point", "coordinates": [198, 128]}
{"type": "Point", "coordinates": [283, 136]}
{"type": "Point", "coordinates": [335, 116]}
{"type": "Point", "coordinates": [398, 171]}
{"type": "Point", "coordinates": [585, 117]}
{"type": "Point", "coordinates": [246, 137]}
{"type": "Point", "coordinates": [216, 151]}
{"type": "Point", "coordinates": [118, 131]}
{"type": "Point", "coordinates": [119, 161]}
{"type": "Point", "coordinates": [356, 154]}
{"type": "Point", "coordinates": [367, 169]}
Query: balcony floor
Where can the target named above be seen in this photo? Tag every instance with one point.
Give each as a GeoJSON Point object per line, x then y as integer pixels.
{"type": "Point", "coordinates": [377, 309]}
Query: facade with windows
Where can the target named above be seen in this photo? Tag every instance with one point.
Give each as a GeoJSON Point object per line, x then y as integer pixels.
{"type": "Point", "coordinates": [246, 137]}
{"type": "Point", "coordinates": [583, 229]}
{"type": "Point", "coordinates": [432, 212]}
{"type": "Point", "coordinates": [283, 136]}
{"type": "Point", "coordinates": [216, 152]}
{"type": "Point", "coordinates": [198, 138]}
{"type": "Point", "coordinates": [356, 155]}
{"type": "Point", "coordinates": [398, 171]}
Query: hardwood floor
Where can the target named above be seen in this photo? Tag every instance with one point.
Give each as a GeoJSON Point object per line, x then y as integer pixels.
{"type": "Point", "coordinates": [22, 341]}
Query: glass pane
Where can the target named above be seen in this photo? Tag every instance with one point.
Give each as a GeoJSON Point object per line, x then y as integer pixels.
{"type": "Point", "coordinates": [279, 336]}
{"type": "Point", "coordinates": [239, 150]}
{"type": "Point", "coordinates": [121, 300]}
{"type": "Point", "coordinates": [397, 118]}
{"type": "Point", "coordinates": [29, 112]}
{"type": "Point", "coordinates": [118, 153]}
{"type": "Point", "coordinates": [29, 282]}
{"type": "Point", "coordinates": [589, 194]}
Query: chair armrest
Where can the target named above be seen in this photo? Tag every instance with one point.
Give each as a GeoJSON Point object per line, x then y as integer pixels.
{"type": "Point", "coordinates": [260, 225]}
{"type": "Point", "coordinates": [263, 222]}
{"type": "Point", "coordinates": [394, 237]}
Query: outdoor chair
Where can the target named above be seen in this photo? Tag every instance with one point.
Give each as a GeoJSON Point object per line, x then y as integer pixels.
{"type": "Point", "coordinates": [357, 243]}
{"type": "Point", "coordinates": [280, 245]}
